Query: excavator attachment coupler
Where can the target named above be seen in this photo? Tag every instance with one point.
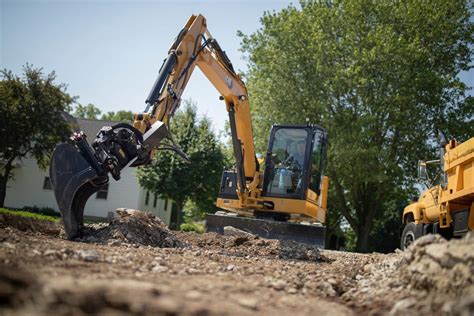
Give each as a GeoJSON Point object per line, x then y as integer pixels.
{"type": "Point", "coordinates": [73, 180]}
{"type": "Point", "coordinates": [270, 229]}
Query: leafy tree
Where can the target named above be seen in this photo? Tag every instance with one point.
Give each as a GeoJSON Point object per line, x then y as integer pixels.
{"type": "Point", "coordinates": [381, 76]}
{"type": "Point", "coordinates": [119, 116]}
{"type": "Point", "coordinates": [89, 111]}
{"type": "Point", "coordinates": [198, 181]}
{"type": "Point", "coordinates": [31, 120]}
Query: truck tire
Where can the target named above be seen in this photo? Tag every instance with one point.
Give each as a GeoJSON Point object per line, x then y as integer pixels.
{"type": "Point", "coordinates": [408, 236]}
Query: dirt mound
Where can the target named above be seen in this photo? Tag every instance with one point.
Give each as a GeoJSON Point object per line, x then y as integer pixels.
{"type": "Point", "coordinates": [30, 224]}
{"type": "Point", "coordinates": [131, 227]}
{"type": "Point", "coordinates": [431, 276]}
{"type": "Point", "coordinates": [434, 263]}
{"type": "Point", "coordinates": [250, 246]}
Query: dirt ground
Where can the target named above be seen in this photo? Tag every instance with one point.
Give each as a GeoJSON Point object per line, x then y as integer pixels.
{"type": "Point", "coordinates": [135, 265]}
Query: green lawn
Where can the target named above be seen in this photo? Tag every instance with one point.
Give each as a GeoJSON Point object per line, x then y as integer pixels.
{"type": "Point", "coordinates": [29, 214]}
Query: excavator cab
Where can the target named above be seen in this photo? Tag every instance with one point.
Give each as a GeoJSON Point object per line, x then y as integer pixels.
{"type": "Point", "coordinates": [294, 161]}
{"type": "Point", "coordinates": [293, 189]}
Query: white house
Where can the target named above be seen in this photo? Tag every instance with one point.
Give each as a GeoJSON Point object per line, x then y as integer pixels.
{"type": "Point", "coordinates": [31, 187]}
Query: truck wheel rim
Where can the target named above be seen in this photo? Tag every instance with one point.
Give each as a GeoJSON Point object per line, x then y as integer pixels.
{"type": "Point", "coordinates": [409, 239]}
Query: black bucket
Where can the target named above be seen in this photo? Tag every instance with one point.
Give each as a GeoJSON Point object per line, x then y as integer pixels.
{"type": "Point", "coordinates": [73, 180]}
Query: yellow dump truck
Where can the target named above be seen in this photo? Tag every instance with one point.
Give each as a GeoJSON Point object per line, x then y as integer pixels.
{"type": "Point", "coordinates": [447, 207]}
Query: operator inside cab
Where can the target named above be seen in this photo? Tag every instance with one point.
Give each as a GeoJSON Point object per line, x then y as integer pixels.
{"type": "Point", "coordinates": [296, 165]}
{"type": "Point", "coordinates": [286, 163]}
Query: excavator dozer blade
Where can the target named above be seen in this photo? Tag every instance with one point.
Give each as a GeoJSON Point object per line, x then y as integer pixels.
{"type": "Point", "coordinates": [306, 234]}
{"type": "Point", "coordinates": [74, 181]}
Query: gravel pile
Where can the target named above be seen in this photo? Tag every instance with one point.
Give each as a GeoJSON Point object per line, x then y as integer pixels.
{"type": "Point", "coordinates": [248, 245]}
{"type": "Point", "coordinates": [432, 276]}
{"type": "Point", "coordinates": [137, 228]}
{"type": "Point", "coordinates": [131, 227]}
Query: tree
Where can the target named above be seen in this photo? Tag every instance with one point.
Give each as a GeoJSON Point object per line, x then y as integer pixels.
{"type": "Point", "coordinates": [31, 120]}
{"type": "Point", "coordinates": [381, 76]}
{"type": "Point", "coordinates": [172, 178]}
{"type": "Point", "coordinates": [89, 111]}
{"type": "Point", "coordinates": [119, 116]}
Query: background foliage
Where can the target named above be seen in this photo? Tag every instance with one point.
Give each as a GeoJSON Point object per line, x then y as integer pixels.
{"type": "Point", "coordinates": [198, 181]}
{"type": "Point", "coordinates": [382, 77]}
{"type": "Point", "coordinates": [32, 119]}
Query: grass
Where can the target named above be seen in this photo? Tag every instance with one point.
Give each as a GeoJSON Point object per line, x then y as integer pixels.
{"type": "Point", "coordinates": [29, 214]}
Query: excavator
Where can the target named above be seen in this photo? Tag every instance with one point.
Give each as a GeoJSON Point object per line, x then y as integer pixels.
{"type": "Point", "coordinates": [283, 196]}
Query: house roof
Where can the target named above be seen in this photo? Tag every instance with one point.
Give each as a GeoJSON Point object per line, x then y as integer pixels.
{"type": "Point", "coordinates": [91, 127]}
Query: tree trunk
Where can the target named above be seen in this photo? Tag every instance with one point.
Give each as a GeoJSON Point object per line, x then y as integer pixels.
{"type": "Point", "coordinates": [179, 209]}
{"type": "Point", "coordinates": [369, 207]}
{"type": "Point", "coordinates": [3, 189]}
{"type": "Point", "coordinates": [176, 216]}
{"type": "Point", "coordinates": [362, 244]}
{"type": "Point", "coordinates": [3, 181]}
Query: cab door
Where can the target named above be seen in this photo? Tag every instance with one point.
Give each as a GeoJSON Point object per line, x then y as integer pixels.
{"type": "Point", "coordinates": [288, 164]}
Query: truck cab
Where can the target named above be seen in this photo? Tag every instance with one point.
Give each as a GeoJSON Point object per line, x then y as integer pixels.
{"type": "Point", "coordinates": [446, 207]}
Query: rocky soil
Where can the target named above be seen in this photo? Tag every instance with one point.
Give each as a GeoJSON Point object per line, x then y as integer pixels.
{"type": "Point", "coordinates": [135, 265]}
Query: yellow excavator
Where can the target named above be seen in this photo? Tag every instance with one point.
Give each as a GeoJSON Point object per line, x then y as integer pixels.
{"type": "Point", "coordinates": [283, 197]}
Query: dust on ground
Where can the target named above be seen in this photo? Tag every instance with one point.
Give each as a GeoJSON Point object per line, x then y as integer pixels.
{"type": "Point", "coordinates": [136, 265]}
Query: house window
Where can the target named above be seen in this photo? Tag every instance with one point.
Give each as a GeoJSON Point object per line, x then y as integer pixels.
{"type": "Point", "coordinates": [102, 193]}
{"type": "Point", "coordinates": [154, 201]}
{"type": "Point", "coordinates": [147, 197]}
{"type": "Point", "coordinates": [47, 184]}
{"type": "Point", "coordinates": [166, 205]}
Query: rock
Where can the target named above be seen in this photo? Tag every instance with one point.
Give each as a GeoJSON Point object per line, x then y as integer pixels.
{"type": "Point", "coordinates": [248, 302]}
{"type": "Point", "coordinates": [8, 245]}
{"type": "Point", "coordinates": [159, 269]}
{"type": "Point", "coordinates": [292, 291]}
{"type": "Point", "coordinates": [426, 240]}
{"type": "Point", "coordinates": [400, 307]}
{"type": "Point", "coordinates": [232, 231]}
{"type": "Point", "coordinates": [135, 228]}
{"type": "Point", "coordinates": [193, 295]}
{"type": "Point", "coordinates": [279, 285]}
{"type": "Point", "coordinates": [326, 289]}
{"type": "Point", "coordinates": [89, 256]}
{"type": "Point", "coordinates": [50, 252]}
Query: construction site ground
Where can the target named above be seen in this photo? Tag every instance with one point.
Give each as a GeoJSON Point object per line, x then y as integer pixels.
{"type": "Point", "coordinates": [135, 265]}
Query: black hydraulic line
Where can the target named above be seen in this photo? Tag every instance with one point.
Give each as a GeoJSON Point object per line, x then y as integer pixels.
{"type": "Point", "coordinates": [222, 54]}
{"type": "Point", "coordinates": [237, 150]}
{"type": "Point", "coordinates": [163, 75]}
{"type": "Point", "coordinates": [87, 153]}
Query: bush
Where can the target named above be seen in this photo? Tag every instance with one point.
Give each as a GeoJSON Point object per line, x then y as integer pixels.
{"type": "Point", "coordinates": [192, 227]}
{"type": "Point", "coordinates": [29, 215]}
{"type": "Point", "coordinates": [48, 211]}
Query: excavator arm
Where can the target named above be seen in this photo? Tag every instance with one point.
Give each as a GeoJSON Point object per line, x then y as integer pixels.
{"type": "Point", "coordinates": [193, 47]}
{"type": "Point", "coordinates": [78, 169]}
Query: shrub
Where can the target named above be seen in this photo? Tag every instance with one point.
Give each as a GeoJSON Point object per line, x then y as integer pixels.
{"type": "Point", "coordinates": [48, 211]}
{"type": "Point", "coordinates": [193, 227]}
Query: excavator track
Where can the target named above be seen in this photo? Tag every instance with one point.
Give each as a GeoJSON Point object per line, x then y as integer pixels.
{"type": "Point", "coordinates": [301, 233]}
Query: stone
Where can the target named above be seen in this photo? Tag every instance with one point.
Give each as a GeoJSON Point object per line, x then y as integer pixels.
{"type": "Point", "coordinates": [89, 256]}
{"type": "Point", "coordinates": [400, 307]}
{"type": "Point", "coordinates": [279, 285]}
{"type": "Point", "coordinates": [248, 302]}
{"type": "Point", "coordinates": [232, 231]}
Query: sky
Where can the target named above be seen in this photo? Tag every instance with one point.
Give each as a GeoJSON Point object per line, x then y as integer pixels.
{"type": "Point", "coordinates": [109, 52]}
